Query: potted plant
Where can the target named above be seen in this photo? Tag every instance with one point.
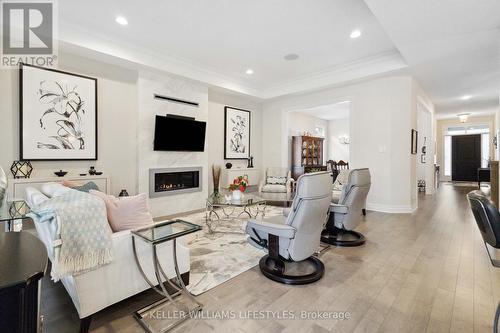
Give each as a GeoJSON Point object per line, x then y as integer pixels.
{"type": "Point", "coordinates": [238, 186]}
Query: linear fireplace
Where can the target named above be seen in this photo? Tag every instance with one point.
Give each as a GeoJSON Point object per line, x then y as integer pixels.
{"type": "Point", "coordinates": [169, 181]}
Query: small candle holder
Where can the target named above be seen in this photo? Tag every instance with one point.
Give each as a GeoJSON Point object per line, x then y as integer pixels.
{"type": "Point", "coordinates": [21, 169]}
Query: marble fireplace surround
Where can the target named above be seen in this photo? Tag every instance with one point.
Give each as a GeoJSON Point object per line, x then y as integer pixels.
{"type": "Point", "coordinates": [149, 84]}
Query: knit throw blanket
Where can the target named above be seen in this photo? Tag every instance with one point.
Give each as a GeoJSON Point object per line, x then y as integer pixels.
{"type": "Point", "coordinates": [83, 240]}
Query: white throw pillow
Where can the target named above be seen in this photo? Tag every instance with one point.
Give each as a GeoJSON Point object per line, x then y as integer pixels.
{"type": "Point", "coordinates": [34, 197]}
{"type": "Point", "coordinates": [54, 189]}
{"type": "Point", "coordinates": [274, 180]}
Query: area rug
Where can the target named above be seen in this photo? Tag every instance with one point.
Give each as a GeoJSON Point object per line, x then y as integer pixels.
{"type": "Point", "coordinates": [220, 256]}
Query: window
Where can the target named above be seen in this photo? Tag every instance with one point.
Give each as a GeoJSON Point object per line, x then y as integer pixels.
{"type": "Point", "coordinates": [447, 155]}
{"type": "Point", "coordinates": [455, 131]}
{"type": "Point", "coordinates": [481, 129]}
{"type": "Point", "coordinates": [485, 149]}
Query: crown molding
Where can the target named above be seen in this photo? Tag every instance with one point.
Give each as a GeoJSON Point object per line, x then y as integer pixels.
{"type": "Point", "coordinates": [355, 70]}
{"type": "Point", "coordinates": [74, 39]}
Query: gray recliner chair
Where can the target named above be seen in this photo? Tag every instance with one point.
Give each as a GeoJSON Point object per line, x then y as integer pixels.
{"type": "Point", "coordinates": [347, 214]}
{"type": "Point", "coordinates": [488, 221]}
{"type": "Point", "coordinates": [295, 236]}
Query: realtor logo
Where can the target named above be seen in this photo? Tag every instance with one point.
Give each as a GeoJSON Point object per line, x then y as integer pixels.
{"type": "Point", "coordinates": [28, 33]}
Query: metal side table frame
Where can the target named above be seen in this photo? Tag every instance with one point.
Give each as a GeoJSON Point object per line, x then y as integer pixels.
{"type": "Point", "coordinates": [178, 286]}
{"type": "Point", "coordinates": [228, 207]}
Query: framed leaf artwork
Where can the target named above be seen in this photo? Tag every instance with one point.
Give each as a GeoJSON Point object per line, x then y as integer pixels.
{"type": "Point", "coordinates": [58, 115]}
{"type": "Point", "coordinates": [236, 133]}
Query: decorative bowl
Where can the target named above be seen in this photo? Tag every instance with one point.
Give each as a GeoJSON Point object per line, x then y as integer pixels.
{"type": "Point", "coordinates": [60, 173]}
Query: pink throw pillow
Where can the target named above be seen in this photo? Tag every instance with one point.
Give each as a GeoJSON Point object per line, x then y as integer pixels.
{"type": "Point", "coordinates": [71, 183]}
{"type": "Point", "coordinates": [126, 213]}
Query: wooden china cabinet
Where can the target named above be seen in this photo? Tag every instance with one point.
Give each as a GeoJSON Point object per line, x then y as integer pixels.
{"type": "Point", "coordinates": [307, 155]}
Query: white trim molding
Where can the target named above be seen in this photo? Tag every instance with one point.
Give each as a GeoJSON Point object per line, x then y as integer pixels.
{"type": "Point", "coordinates": [391, 209]}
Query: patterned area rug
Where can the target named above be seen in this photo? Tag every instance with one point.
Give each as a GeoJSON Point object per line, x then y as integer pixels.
{"type": "Point", "coordinates": [220, 256]}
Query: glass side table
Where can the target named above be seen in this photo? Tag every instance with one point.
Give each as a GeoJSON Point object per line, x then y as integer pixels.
{"type": "Point", "coordinates": [12, 213]}
{"type": "Point", "coordinates": [155, 235]}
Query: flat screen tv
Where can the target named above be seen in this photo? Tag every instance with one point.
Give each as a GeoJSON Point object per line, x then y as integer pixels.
{"type": "Point", "coordinates": [177, 134]}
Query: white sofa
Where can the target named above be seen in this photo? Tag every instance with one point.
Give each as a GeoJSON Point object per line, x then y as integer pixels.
{"type": "Point", "coordinates": [95, 290]}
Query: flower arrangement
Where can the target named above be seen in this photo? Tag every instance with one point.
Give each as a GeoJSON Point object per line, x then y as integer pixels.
{"type": "Point", "coordinates": [239, 183]}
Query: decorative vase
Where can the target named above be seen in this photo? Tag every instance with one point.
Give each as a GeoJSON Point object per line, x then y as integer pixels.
{"type": "Point", "coordinates": [236, 195]}
{"type": "Point", "coordinates": [216, 180]}
{"type": "Point", "coordinates": [3, 186]}
{"type": "Point", "coordinates": [123, 193]}
{"type": "Point", "coordinates": [92, 171]}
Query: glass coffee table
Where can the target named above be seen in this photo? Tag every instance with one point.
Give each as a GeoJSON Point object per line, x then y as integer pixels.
{"type": "Point", "coordinates": [154, 236]}
{"type": "Point", "coordinates": [249, 204]}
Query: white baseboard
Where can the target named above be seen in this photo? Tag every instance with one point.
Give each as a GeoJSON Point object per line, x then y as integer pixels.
{"type": "Point", "coordinates": [392, 209]}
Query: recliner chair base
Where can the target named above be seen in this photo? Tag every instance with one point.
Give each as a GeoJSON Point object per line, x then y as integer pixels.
{"type": "Point", "coordinates": [341, 237]}
{"type": "Point", "coordinates": [274, 269]}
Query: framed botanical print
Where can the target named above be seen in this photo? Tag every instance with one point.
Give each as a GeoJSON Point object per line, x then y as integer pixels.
{"type": "Point", "coordinates": [58, 115]}
{"type": "Point", "coordinates": [236, 133]}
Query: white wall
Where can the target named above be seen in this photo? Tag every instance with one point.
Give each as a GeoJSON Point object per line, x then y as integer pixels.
{"type": "Point", "coordinates": [298, 123]}
{"type": "Point", "coordinates": [381, 119]}
{"type": "Point", "coordinates": [117, 100]}
{"type": "Point", "coordinates": [424, 133]}
{"type": "Point", "coordinates": [126, 112]}
{"type": "Point", "coordinates": [215, 130]}
{"type": "Point", "coordinates": [336, 150]}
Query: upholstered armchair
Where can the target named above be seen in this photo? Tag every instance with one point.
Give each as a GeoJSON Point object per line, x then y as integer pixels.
{"type": "Point", "coordinates": [277, 180]}
{"type": "Point", "coordinates": [346, 214]}
{"type": "Point", "coordinates": [294, 237]}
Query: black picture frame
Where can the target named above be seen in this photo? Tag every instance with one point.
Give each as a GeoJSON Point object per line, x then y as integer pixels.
{"type": "Point", "coordinates": [22, 154]}
{"type": "Point", "coordinates": [226, 153]}
{"type": "Point", "coordinates": [414, 141]}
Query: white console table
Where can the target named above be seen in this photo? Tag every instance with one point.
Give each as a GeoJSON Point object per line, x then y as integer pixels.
{"type": "Point", "coordinates": [228, 175]}
{"type": "Point", "coordinates": [17, 187]}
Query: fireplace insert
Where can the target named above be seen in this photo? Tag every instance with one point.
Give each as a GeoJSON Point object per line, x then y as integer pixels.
{"type": "Point", "coordinates": [174, 181]}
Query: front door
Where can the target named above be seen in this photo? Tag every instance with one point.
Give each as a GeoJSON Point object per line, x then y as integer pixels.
{"type": "Point", "coordinates": [465, 157]}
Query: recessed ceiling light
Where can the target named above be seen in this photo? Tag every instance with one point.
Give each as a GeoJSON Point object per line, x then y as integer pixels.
{"type": "Point", "coordinates": [355, 33]}
{"type": "Point", "coordinates": [466, 97]}
{"type": "Point", "coordinates": [249, 71]}
{"type": "Point", "coordinates": [291, 56]}
{"type": "Point", "coordinates": [121, 20]}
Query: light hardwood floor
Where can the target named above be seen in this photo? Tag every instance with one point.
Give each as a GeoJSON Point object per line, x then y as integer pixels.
{"type": "Point", "coordinates": [421, 272]}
